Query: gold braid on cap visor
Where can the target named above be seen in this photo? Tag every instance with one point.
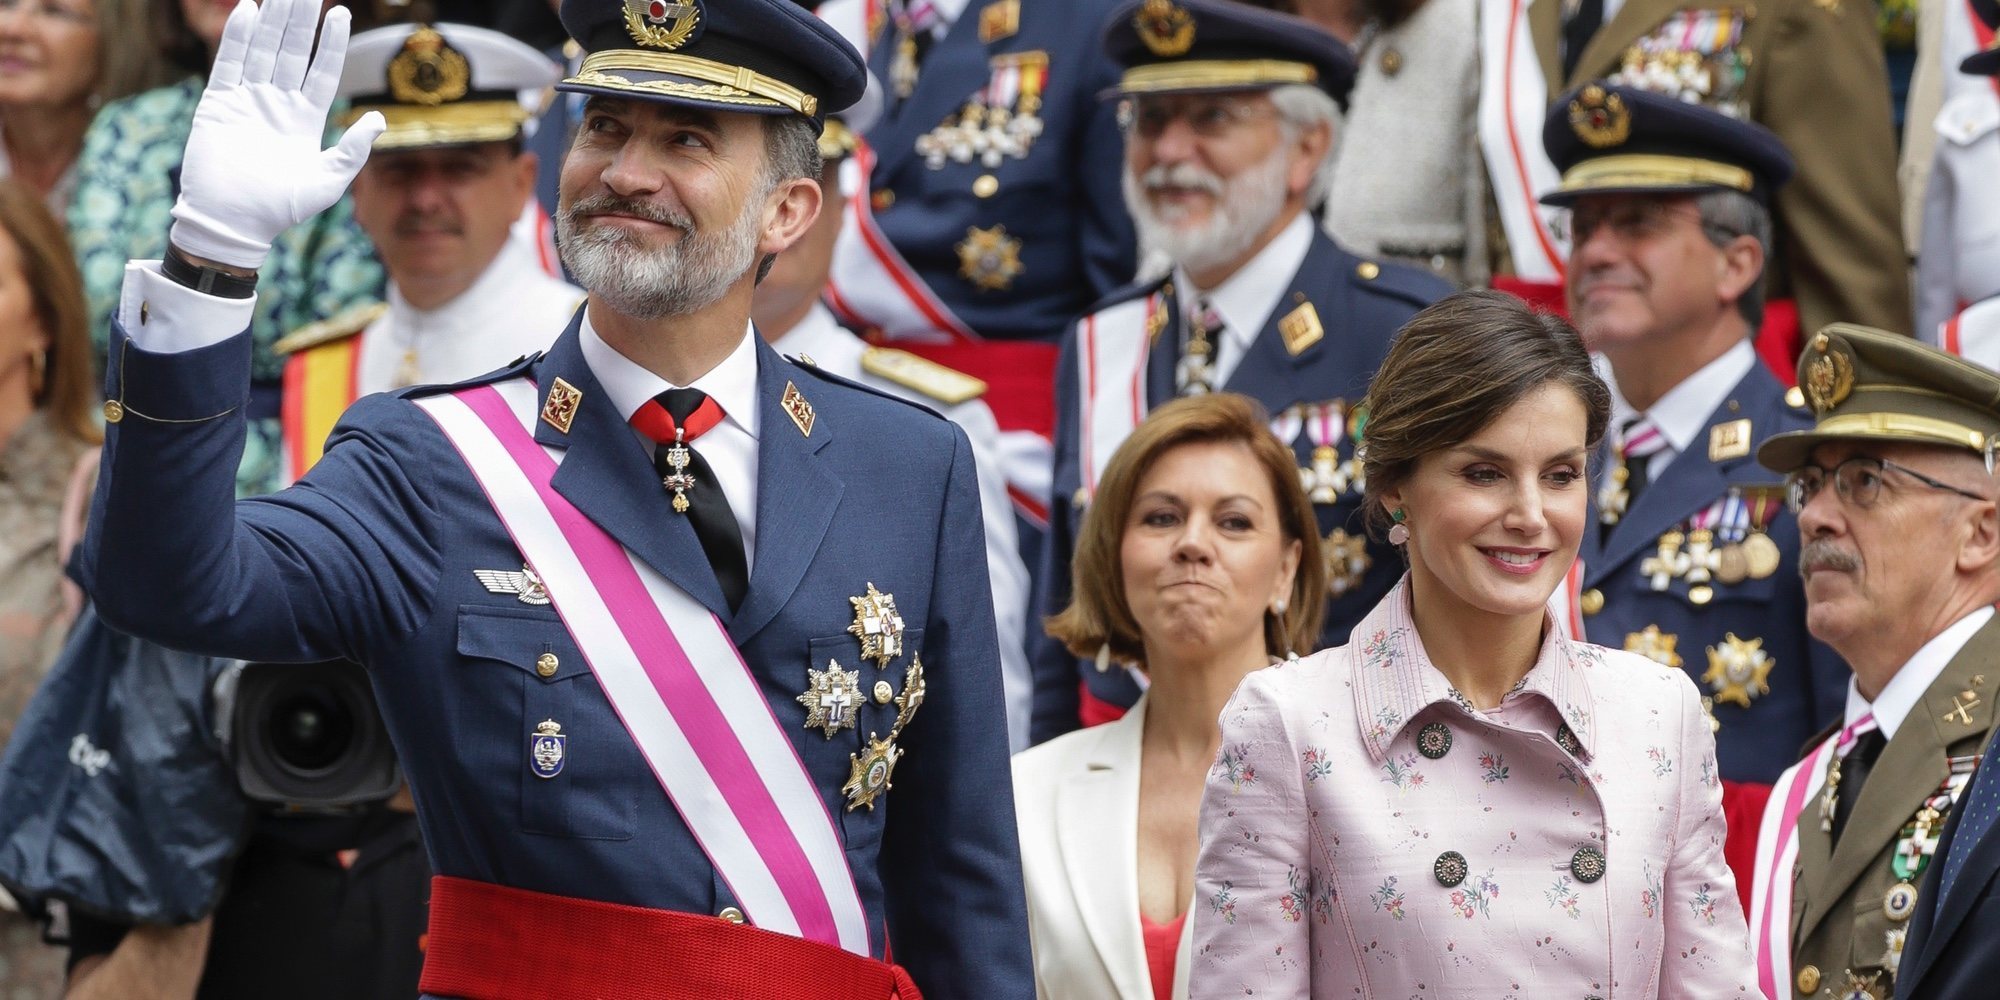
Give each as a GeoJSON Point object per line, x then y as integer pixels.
{"type": "Point", "coordinates": [1646, 170]}
{"type": "Point", "coordinates": [1215, 74]}
{"type": "Point", "coordinates": [726, 84]}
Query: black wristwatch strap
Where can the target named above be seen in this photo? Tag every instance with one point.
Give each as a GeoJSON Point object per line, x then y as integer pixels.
{"type": "Point", "coordinates": [206, 280]}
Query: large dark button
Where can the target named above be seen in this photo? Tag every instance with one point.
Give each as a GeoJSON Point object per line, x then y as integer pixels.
{"type": "Point", "coordinates": [1587, 864]}
{"type": "Point", "coordinates": [1566, 738]}
{"type": "Point", "coordinates": [1450, 869]}
{"type": "Point", "coordinates": [1434, 740]}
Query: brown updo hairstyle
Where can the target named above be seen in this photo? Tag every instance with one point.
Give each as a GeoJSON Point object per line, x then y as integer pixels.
{"type": "Point", "coordinates": [1457, 366]}
{"type": "Point", "coordinates": [48, 268]}
{"type": "Point", "coordinates": [1098, 614]}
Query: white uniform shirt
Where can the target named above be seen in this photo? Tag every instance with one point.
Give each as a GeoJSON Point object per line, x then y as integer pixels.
{"type": "Point", "coordinates": [1247, 298]}
{"type": "Point", "coordinates": [514, 308]}
{"type": "Point", "coordinates": [836, 350]}
{"type": "Point", "coordinates": [1959, 259]}
{"type": "Point", "coordinates": [1682, 414]}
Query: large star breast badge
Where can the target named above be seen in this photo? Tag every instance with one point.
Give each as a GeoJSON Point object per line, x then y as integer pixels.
{"type": "Point", "coordinates": [831, 698]}
{"type": "Point", "coordinates": [1738, 670]}
{"type": "Point", "coordinates": [877, 625]}
{"type": "Point", "coordinates": [1654, 645]}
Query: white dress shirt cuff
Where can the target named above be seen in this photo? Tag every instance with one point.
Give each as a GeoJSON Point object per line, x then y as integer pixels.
{"type": "Point", "coordinates": [166, 317]}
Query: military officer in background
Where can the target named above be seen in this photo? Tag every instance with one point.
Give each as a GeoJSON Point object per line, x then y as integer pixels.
{"type": "Point", "coordinates": [1693, 558]}
{"type": "Point", "coordinates": [792, 318]}
{"type": "Point", "coordinates": [1894, 490]}
{"type": "Point", "coordinates": [686, 649]}
{"type": "Point", "coordinates": [992, 216]}
{"type": "Point", "coordinates": [1230, 112]}
{"type": "Point", "coordinates": [1958, 273]}
{"type": "Point", "coordinates": [437, 196]}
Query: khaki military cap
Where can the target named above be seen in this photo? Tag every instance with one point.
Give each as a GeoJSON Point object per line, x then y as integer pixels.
{"type": "Point", "coordinates": [1868, 385]}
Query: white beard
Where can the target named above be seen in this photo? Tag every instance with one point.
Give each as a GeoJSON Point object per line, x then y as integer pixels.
{"type": "Point", "coordinates": [685, 277]}
{"type": "Point", "coordinates": [1245, 207]}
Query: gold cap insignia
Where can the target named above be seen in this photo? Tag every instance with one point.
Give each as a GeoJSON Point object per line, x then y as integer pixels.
{"type": "Point", "coordinates": [796, 407]}
{"type": "Point", "coordinates": [989, 258]}
{"type": "Point", "coordinates": [428, 71]}
{"type": "Point", "coordinates": [1166, 27]}
{"type": "Point", "coordinates": [1829, 376]}
{"type": "Point", "coordinates": [1600, 118]}
{"type": "Point", "coordinates": [662, 24]}
{"type": "Point", "coordinates": [1301, 329]}
{"type": "Point", "coordinates": [559, 409]}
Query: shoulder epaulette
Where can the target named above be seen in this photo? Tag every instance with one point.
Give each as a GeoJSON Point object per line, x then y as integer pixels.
{"type": "Point", "coordinates": [919, 374]}
{"type": "Point", "coordinates": [808, 366]}
{"type": "Point", "coordinates": [1413, 285]}
{"type": "Point", "coordinates": [340, 325]}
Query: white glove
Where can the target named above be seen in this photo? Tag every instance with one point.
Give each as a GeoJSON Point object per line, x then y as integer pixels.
{"type": "Point", "coordinates": [254, 167]}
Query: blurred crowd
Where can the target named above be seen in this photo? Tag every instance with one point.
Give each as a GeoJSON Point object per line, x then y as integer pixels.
{"type": "Point", "coordinates": [1012, 213]}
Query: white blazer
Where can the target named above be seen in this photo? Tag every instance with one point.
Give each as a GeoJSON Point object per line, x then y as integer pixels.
{"type": "Point", "coordinates": [1076, 799]}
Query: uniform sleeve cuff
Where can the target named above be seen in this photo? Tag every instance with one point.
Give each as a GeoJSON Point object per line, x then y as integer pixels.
{"type": "Point", "coordinates": [162, 316]}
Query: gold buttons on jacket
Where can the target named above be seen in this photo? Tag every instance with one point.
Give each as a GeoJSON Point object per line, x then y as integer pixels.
{"type": "Point", "coordinates": [1587, 864]}
{"type": "Point", "coordinates": [1808, 980]}
{"type": "Point", "coordinates": [1592, 601]}
{"type": "Point", "coordinates": [546, 664]}
{"type": "Point", "coordinates": [731, 914]}
{"type": "Point", "coordinates": [1434, 740]}
{"type": "Point", "coordinates": [883, 692]}
{"type": "Point", "coordinates": [114, 411]}
{"type": "Point", "coordinates": [1450, 869]}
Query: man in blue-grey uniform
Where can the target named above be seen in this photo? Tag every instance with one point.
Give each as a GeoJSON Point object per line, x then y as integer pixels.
{"type": "Point", "coordinates": [992, 217]}
{"type": "Point", "coordinates": [1230, 113]}
{"type": "Point", "coordinates": [1692, 558]}
{"type": "Point", "coordinates": [686, 649]}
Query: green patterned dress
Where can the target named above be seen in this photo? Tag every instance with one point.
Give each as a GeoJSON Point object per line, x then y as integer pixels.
{"type": "Point", "coordinates": [128, 178]}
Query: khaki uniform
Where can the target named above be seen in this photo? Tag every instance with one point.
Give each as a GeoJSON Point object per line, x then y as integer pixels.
{"type": "Point", "coordinates": [1810, 71]}
{"type": "Point", "coordinates": [1843, 932]}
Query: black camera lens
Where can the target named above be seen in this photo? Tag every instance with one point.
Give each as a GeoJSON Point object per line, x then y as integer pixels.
{"type": "Point", "coordinates": [312, 729]}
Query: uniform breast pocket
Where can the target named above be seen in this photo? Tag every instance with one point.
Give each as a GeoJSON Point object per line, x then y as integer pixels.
{"type": "Point", "coordinates": [579, 773]}
{"type": "Point", "coordinates": [852, 709]}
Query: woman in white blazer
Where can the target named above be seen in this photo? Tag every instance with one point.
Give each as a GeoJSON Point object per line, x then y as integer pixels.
{"type": "Point", "coordinates": [1198, 563]}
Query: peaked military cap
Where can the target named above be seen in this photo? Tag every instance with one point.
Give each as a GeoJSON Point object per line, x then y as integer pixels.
{"type": "Point", "coordinates": [1865, 384]}
{"type": "Point", "coordinates": [767, 57]}
{"type": "Point", "coordinates": [1199, 46]}
{"type": "Point", "coordinates": [1985, 62]}
{"type": "Point", "coordinates": [444, 84]}
{"type": "Point", "coordinates": [1612, 139]}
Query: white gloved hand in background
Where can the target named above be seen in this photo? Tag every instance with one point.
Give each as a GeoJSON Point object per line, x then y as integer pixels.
{"type": "Point", "coordinates": [254, 167]}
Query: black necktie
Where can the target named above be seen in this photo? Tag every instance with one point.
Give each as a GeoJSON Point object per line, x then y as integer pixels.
{"type": "Point", "coordinates": [1854, 770]}
{"type": "Point", "coordinates": [1578, 30]}
{"type": "Point", "coordinates": [691, 413]}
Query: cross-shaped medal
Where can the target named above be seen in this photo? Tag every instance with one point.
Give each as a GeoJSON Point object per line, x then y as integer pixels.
{"type": "Point", "coordinates": [680, 481]}
{"type": "Point", "coordinates": [1670, 561]}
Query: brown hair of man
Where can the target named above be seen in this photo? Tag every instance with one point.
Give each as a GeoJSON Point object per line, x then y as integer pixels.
{"type": "Point", "coordinates": [1453, 369]}
{"type": "Point", "coordinates": [69, 389]}
{"type": "Point", "coordinates": [1098, 614]}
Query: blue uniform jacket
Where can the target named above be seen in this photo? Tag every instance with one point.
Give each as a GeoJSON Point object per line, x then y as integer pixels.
{"type": "Point", "coordinates": [372, 556]}
{"type": "Point", "coordinates": [1361, 304]}
{"type": "Point", "coordinates": [1808, 681]}
{"type": "Point", "coordinates": [1061, 201]}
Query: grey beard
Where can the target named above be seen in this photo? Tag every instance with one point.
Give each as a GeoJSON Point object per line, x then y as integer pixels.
{"type": "Point", "coordinates": [683, 278]}
{"type": "Point", "coordinates": [1247, 206]}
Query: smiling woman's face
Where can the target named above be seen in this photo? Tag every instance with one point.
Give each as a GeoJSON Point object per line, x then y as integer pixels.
{"type": "Point", "coordinates": [1204, 553]}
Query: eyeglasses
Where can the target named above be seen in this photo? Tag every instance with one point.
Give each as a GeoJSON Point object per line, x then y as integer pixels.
{"type": "Point", "coordinates": [1857, 482]}
{"type": "Point", "coordinates": [1208, 118]}
{"type": "Point", "coordinates": [49, 10]}
{"type": "Point", "coordinates": [1632, 220]}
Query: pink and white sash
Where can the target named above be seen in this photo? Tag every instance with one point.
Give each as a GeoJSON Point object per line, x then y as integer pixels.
{"type": "Point", "coordinates": [1974, 334]}
{"type": "Point", "coordinates": [674, 677]}
{"type": "Point", "coordinates": [1778, 853]}
{"type": "Point", "coordinates": [871, 285]}
{"type": "Point", "coordinates": [1111, 349]}
{"type": "Point", "coordinates": [1513, 101]}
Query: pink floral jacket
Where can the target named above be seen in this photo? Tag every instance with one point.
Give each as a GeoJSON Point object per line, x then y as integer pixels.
{"type": "Point", "coordinates": [1367, 833]}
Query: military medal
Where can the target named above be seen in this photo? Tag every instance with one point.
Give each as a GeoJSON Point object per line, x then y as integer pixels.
{"type": "Point", "coordinates": [877, 626]}
{"type": "Point", "coordinates": [1613, 498]}
{"type": "Point", "coordinates": [547, 748]}
{"type": "Point", "coordinates": [830, 698]}
{"type": "Point", "coordinates": [989, 258]}
{"type": "Point", "coordinates": [1760, 554]}
{"type": "Point", "coordinates": [903, 65]}
{"type": "Point", "coordinates": [1654, 645]}
{"type": "Point", "coordinates": [1195, 374]}
{"type": "Point", "coordinates": [679, 480]}
{"type": "Point", "coordinates": [1900, 902]}
{"type": "Point", "coordinates": [1347, 562]}
{"type": "Point", "coordinates": [912, 697]}
{"type": "Point", "coordinates": [1001, 121]}
{"type": "Point", "coordinates": [1667, 563]}
{"type": "Point", "coordinates": [1701, 562]}
{"type": "Point", "coordinates": [1325, 424]}
{"type": "Point", "coordinates": [869, 772]}
{"type": "Point", "coordinates": [1738, 670]}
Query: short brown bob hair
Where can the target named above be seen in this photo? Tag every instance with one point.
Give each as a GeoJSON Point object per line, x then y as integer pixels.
{"type": "Point", "coordinates": [1098, 614]}
{"type": "Point", "coordinates": [48, 268]}
{"type": "Point", "coordinates": [1453, 369]}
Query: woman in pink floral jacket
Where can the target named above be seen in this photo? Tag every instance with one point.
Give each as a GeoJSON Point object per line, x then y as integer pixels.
{"type": "Point", "coordinates": [1462, 802]}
